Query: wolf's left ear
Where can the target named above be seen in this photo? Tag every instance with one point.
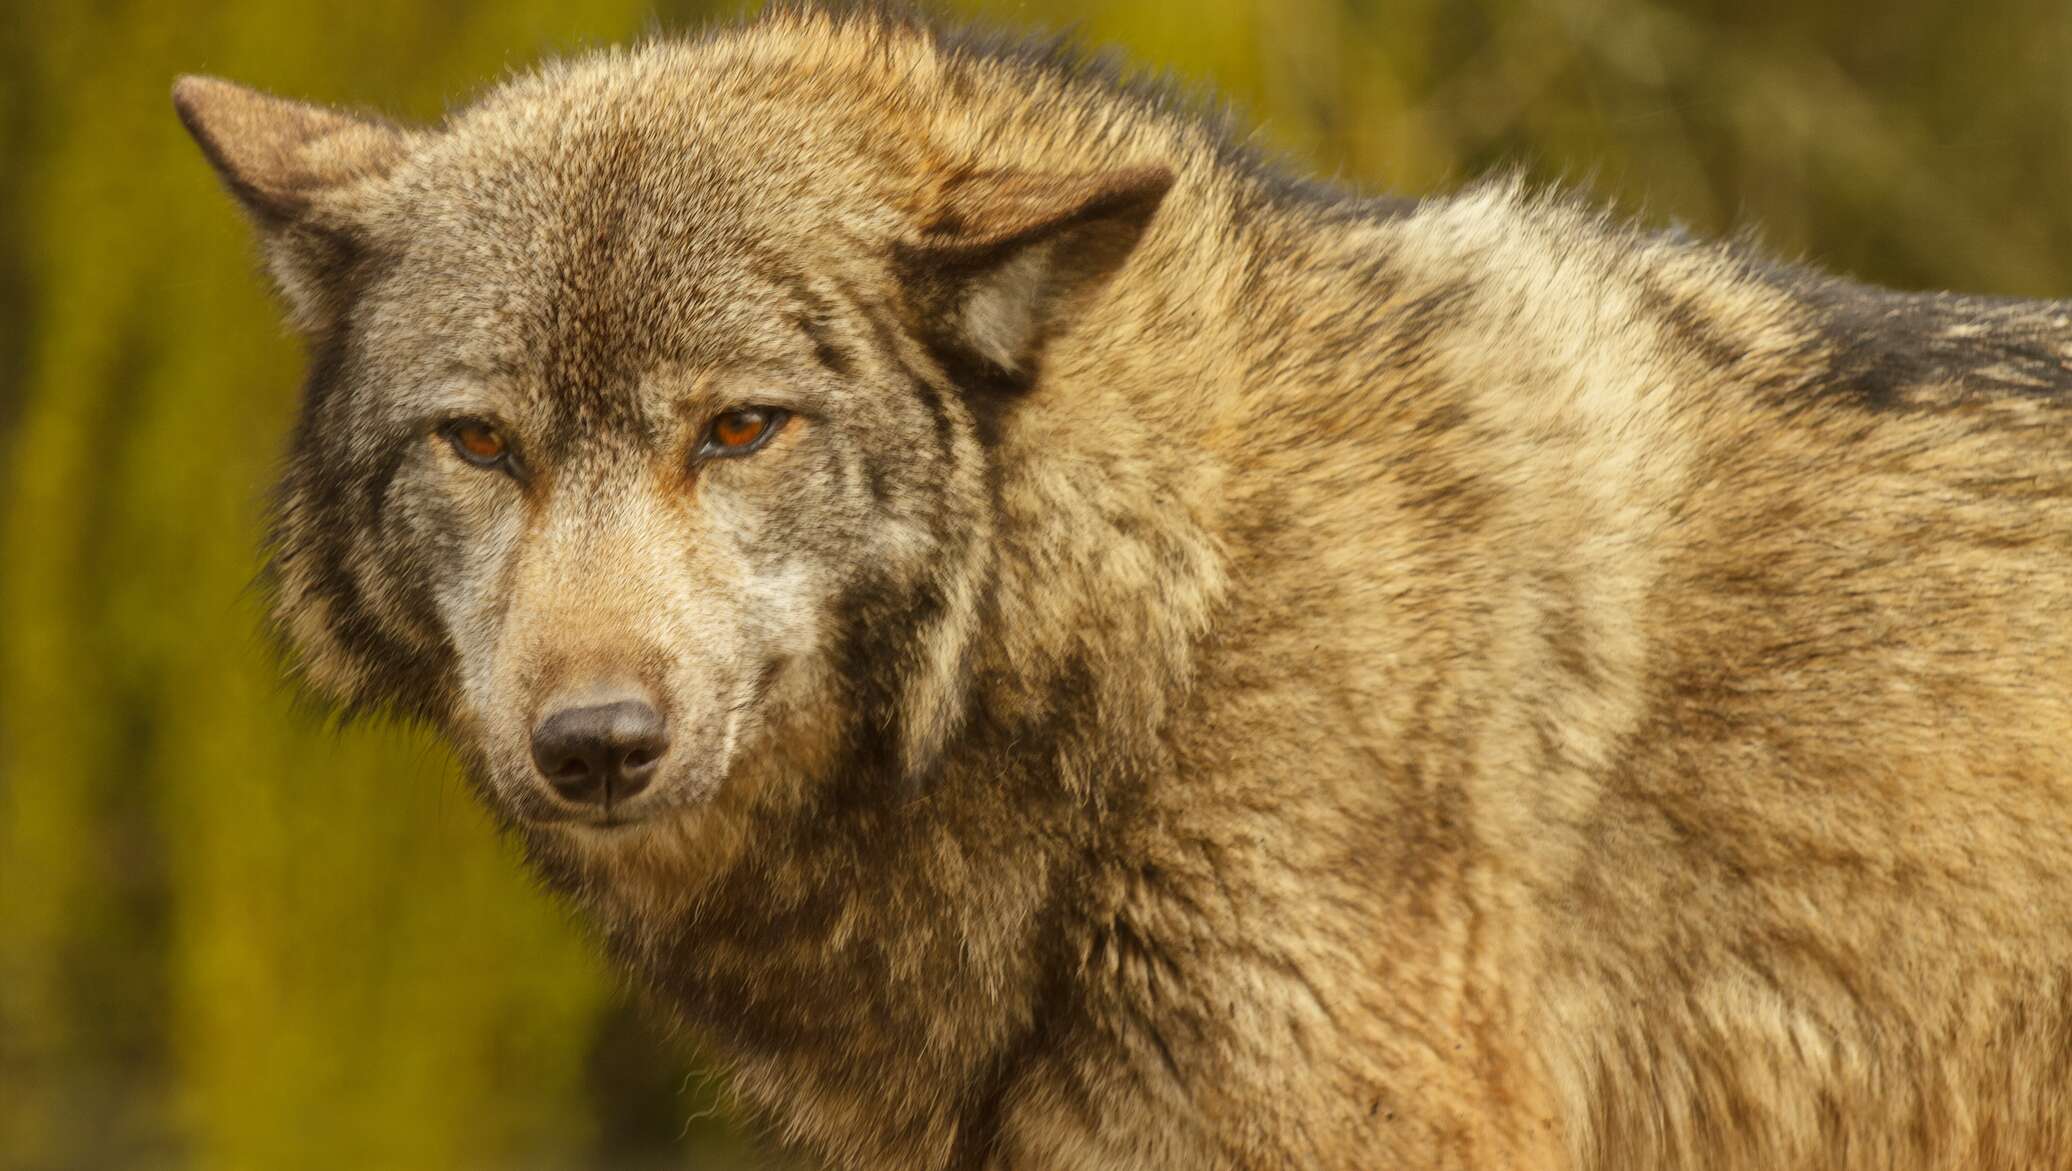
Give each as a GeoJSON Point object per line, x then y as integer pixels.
{"type": "Point", "coordinates": [308, 176]}
{"type": "Point", "coordinates": [1000, 254]}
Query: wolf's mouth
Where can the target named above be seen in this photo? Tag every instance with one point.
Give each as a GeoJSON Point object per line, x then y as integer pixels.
{"type": "Point", "coordinates": [606, 819]}
{"type": "Point", "coordinates": [677, 794]}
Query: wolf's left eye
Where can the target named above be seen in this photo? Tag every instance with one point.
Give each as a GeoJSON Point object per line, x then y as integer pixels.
{"type": "Point", "coordinates": [742, 430]}
{"type": "Point", "coordinates": [478, 442]}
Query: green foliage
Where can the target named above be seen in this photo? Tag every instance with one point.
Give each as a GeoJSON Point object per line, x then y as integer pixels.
{"type": "Point", "coordinates": [231, 936]}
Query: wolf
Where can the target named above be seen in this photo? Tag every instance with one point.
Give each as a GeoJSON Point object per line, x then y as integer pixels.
{"type": "Point", "coordinates": [1051, 641]}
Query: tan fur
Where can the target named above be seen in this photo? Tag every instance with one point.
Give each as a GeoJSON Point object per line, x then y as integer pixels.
{"type": "Point", "coordinates": [1462, 685]}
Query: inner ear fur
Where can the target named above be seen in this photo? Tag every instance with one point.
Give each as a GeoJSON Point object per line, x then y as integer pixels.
{"type": "Point", "coordinates": [999, 255]}
{"type": "Point", "coordinates": [308, 176]}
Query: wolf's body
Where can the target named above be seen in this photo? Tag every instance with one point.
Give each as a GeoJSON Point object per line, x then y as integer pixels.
{"type": "Point", "coordinates": [1345, 685]}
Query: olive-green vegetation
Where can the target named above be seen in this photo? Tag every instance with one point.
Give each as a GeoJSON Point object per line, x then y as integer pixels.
{"type": "Point", "coordinates": [233, 936]}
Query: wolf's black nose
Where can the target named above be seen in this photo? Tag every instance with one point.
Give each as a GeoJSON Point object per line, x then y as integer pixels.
{"type": "Point", "coordinates": [601, 754]}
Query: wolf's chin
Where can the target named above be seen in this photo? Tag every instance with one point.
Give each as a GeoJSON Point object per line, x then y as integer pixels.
{"type": "Point", "coordinates": [651, 870]}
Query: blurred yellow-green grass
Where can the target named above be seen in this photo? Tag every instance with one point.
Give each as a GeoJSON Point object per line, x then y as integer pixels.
{"type": "Point", "coordinates": [233, 937]}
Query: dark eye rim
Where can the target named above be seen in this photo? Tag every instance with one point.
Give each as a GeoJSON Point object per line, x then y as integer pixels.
{"type": "Point", "coordinates": [774, 419]}
{"type": "Point", "coordinates": [505, 461]}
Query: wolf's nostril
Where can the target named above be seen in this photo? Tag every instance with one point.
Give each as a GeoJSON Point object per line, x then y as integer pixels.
{"type": "Point", "coordinates": [602, 753]}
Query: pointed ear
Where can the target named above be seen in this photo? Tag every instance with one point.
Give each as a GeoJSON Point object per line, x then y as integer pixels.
{"type": "Point", "coordinates": [1000, 255]}
{"type": "Point", "coordinates": [307, 175]}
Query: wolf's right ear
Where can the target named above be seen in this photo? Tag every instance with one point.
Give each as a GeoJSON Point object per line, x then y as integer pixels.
{"type": "Point", "coordinates": [1000, 255]}
{"type": "Point", "coordinates": [308, 176]}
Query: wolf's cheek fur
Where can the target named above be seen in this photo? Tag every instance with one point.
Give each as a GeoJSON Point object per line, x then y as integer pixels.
{"type": "Point", "coordinates": [351, 604]}
{"type": "Point", "coordinates": [464, 530]}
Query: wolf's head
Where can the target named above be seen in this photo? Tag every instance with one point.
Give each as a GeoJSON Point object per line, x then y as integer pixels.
{"type": "Point", "coordinates": [647, 435]}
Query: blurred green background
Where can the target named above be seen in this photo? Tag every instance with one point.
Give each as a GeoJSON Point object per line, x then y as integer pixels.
{"type": "Point", "coordinates": [232, 937]}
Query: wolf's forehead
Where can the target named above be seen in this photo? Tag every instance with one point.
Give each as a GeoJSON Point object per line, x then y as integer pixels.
{"type": "Point", "coordinates": [595, 264]}
{"type": "Point", "coordinates": [663, 136]}
{"type": "Point", "coordinates": [601, 193]}
{"type": "Point", "coordinates": [588, 236]}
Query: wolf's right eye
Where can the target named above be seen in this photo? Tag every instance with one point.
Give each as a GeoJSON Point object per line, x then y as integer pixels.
{"type": "Point", "coordinates": [478, 442]}
{"type": "Point", "coordinates": [742, 431]}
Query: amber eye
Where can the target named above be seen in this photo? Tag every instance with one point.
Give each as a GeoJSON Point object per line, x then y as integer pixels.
{"type": "Point", "coordinates": [742, 430]}
{"type": "Point", "coordinates": [478, 442]}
